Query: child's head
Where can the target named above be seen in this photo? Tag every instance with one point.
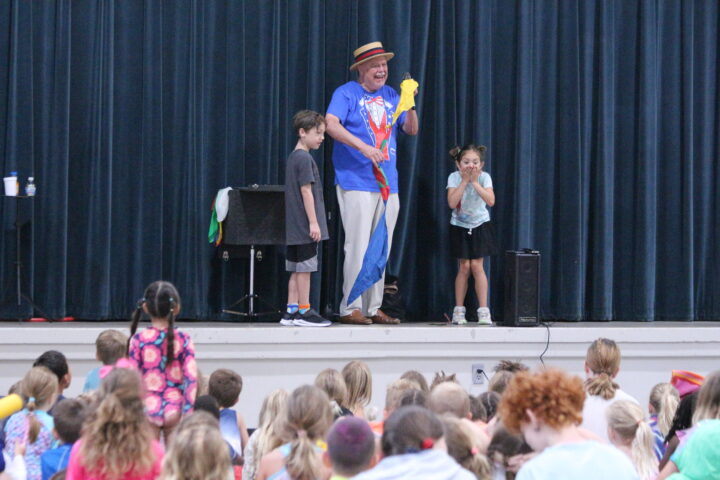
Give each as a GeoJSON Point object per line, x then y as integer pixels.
{"type": "Point", "coordinates": [418, 378]}
{"type": "Point", "coordinates": [441, 377]}
{"type": "Point", "coordinates": [308, 419]}
{"type": "Point", "coordinates": [413, 397]}
{"type": "Point", "coordinates": [198, 418]}
{"type": "Point", "coordinates": [310, 128]}
{"type": "Point", "coordinates": [505, 445]}
{"type": "Point", "coordinates": [451, 398]}
{"type": "Point", "coordinates": [664, 400]}
{"type": "Point", "coordinates": [708, 400]}
{"type": "Point", "coordinates": [477, 410]}
{"type": "Point", "coordinates": [462, 445]}
{"type": "Point", "coordinates": [351, 446]}
{"type": "Point", "coordinates": [271, 425]}
{"type": "Point", "coordinates": [504, 371]}
{"type": "Point", "coordinates": [490, 401]}
{"type": "Point", "coordinates": [410, 430]}
{"type": "Point", "coordinates": [554, 398]}
{"type": "Point", "coordinates": [468, 155]}
{"type": "Point", "coordinates": [602, 363]}
{"type": "Point", "coordinates": [394, 393]}
{"type": "Point", "coordinates": [40, 389]}
{"type": "Point", "coordinates": [207, 403]}
{"type": "Point", "coordinates": [69, 415]}
{"type": "Point", "coordinates": [627, 427]}
{"type": "Point", "coordinates": [358, 381]}
{"type": "Point", "coordinates": [110, 346]}
{"type": "Point", "coordinates": [161, 300]}
{"type": "Point", "coordinates": [225, 385]}
{"type": "Point", "coordinates": [683, 415]}
{"type": "Point", "coordinates": [332, 383]}
{"type": "Point", "coordinates": [197, 452]}
{"type": "Point", "coordinates": [118, 416]}
{"type": "Point", "coordinates": [57, 363]}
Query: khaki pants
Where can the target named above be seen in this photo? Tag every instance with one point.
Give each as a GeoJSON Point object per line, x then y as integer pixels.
{"type": "Point", "coordinates": [360, 212]}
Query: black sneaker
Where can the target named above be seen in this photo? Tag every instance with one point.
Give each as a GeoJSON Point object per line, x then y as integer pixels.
{"type": "Point", "coordinates": [310, 319]}
{"type": "Point", "coordinates": [287, 319]}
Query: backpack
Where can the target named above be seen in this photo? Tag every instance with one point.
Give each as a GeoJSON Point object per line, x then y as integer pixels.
{"type": "Point", "coordinates": [392, 304]}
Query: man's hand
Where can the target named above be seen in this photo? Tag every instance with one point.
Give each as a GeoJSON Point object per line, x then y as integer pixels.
{"type": "Point", "coordinates": [375, 155]}
{"type": "Point", "coordinates": [315, 231]}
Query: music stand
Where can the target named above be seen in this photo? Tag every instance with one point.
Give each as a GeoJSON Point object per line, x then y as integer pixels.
{"type": "Point", "coordinates": [256, 216]}
{"type": "Point", "coordinates": [20, 295]}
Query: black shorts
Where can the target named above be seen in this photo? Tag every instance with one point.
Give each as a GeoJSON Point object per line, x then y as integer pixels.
{"type": "Point", "coordinates": [473, 243]}
{"type": "Point", "coordinates": [300, 253]}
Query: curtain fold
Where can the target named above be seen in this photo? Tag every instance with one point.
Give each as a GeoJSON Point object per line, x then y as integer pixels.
{"type": "Point", "coordinates": [601, 120]}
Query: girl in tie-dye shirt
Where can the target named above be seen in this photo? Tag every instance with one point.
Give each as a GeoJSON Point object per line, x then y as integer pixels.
{"type": "Point", "coordinates": [165, 357]}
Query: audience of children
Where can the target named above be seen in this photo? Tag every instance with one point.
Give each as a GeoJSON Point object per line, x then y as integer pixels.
{"type": "Point", "coordinates": [450, 439]}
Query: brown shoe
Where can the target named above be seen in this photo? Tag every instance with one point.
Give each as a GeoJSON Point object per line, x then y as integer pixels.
{"type": "Point", "coordinates": [383, 319]}
{"type": "Point", "coordinates": [355, 318]}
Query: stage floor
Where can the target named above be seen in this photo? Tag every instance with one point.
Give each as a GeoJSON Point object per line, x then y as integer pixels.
{"type": "Point", "coordinates": [270, 356]}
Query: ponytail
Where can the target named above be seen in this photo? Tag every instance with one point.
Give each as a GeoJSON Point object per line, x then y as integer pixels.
{"type": "Point", "coordinates": [455, 153]}
{"type": "Point", "coordinates": [303, 463]}
{"type": "Point", "coordinates": [134, 319]}
{"type": "Point", "coordinates": [170, 338]}
{"type": "Point", "coordinates": [602, 385]}
{"type": "Point", "coordinates": [664, 399]}
{"type": "Point", "coordinates": [643, 452]}
{"type": "Point", "coordinates": [34, 424]}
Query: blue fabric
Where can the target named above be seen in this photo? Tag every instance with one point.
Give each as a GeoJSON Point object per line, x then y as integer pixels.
{"type": "Point", "coordinates": [2, 457]}
{"type": "Point", "coordinates": [659, 439]}
{"type": "Point", "coordinates": [54, 460]}
{"type": "Point", "coordinates": [585, 460]}
{"type": "Point", "coordinates": [92, 380]}
{"type": "Point", "coordinates": [230, 431]}
{"type": "Point", "coordinates": [353, 171]}
{"type": "Point", "coordinates": [473, 210]}
{"type": "Point", "coordinates": [374, 261]}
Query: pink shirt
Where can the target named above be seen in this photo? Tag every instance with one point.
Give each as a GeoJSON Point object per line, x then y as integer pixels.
{"type": "Point", "coordinates": [76, 469]}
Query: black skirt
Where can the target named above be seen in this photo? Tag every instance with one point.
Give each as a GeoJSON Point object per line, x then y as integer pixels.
{"type": "Point", "coordinates": [473, 243]}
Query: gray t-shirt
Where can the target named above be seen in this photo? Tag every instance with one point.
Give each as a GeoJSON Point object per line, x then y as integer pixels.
{"type": "Point", "coordinates": [301, 170]}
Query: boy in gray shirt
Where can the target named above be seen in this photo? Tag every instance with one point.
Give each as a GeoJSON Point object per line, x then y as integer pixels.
{"type": "Point", "coordinates": [305, 223]}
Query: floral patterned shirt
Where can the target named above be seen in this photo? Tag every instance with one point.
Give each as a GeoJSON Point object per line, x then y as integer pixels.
{"type": "Point", "coordinates": [16, 431]}
{"type": "Point", "coordinates": [170, 389]}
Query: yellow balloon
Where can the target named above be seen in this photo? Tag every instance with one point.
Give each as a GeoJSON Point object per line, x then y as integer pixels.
{"type": "Point", "coordinates": [407, 97]}
{"type": "Point", "coordinates": [10, 404]}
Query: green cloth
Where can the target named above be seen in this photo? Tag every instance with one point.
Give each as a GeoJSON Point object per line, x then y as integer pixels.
{"type": "Point", "coordinates": [212, 233]}
{"type": "Point", "coordinates": [700, 457]}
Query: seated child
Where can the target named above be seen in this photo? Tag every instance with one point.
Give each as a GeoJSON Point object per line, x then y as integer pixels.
{"type": "Point", "coordinates": [110, 346]}
{"type": "Point", "coordinates": [69, 417]}
{"type": "Point", "coordinates": [351, 447]}
{"type": "Point", "coordinates": [225, 386]}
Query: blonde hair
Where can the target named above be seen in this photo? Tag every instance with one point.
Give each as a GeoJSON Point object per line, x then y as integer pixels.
{"type": "Point", "coordinates": [626, 419]}
{"type": "Point", "coordinates": [39, 386]}
{"type": "Point", "coordinates": [664, 399]}
{"type": "Point", "coordinates": [272, 419]}
{"type": "Point", "coordinates": [449, 397]}
{"type": "Point", "coordinates": [332, 383]}
{"type": "Point", "coordinates": [395, 391]}
{"type": "Point", "coordinates": [418, 378]}
{"type": "Point", "coordinates": [462, 446]}
{"type": "Point", "coordinates": [358, 380]}
{"type": "Point", "coordinates": [603, 359]}
{"type": "Point", "coordinates": [708, 400]}
{"type": "Point", "coordinates": [197, 452]}
{"type": "Point", "coordinates": [111, 346]}
{"type": "Point", "coordinates": [308, 420]}
{"type": "Point", "coordinates": [117, 438]}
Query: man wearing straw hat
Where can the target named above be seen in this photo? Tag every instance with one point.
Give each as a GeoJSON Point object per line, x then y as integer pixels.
{"type": "Point", "coordinates": [362, 120]}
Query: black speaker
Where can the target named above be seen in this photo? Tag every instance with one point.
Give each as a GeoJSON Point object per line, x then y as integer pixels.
{"type": "Point", "coordinates": [522, 288]}
{"type": "Point", "coordinates": [256, 216]}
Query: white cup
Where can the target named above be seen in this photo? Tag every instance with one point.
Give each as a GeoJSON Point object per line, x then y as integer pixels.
{"type": "Point", "coordinates": [11, 186]}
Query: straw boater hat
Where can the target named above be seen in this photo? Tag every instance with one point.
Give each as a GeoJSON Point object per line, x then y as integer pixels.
{"type": "Point", "coordinates": [368, 52]}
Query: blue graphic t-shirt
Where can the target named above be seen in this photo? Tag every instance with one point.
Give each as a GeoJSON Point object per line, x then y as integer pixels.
{"type": "Point", "coordinates": [368, 116]}
{"type": "Point", "coordinates": [472, 210]}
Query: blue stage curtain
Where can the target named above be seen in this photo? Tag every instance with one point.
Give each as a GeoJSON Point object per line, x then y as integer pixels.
{"type": "Point", "coordinates": [601, 119]}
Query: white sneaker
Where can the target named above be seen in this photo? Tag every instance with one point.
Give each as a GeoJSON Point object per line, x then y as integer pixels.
{"type": "Point", "coordinates": [484, 318]}
{"type": "Point", "coordinates": [458, 317]}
